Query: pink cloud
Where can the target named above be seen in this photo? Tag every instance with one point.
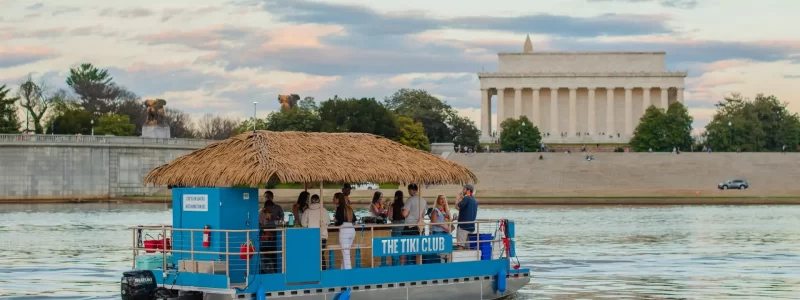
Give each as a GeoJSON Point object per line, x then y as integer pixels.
{"type": "Point", "coordinates": [16, 56]}
{"type": "Point", "coordinates": [308, 84]}
{"type": "Point", "coordinates": [725, 64]}
{"type": "Point", "coordinates": [210, 38]}
{"type": "Point", "coordinates": [299, 36]}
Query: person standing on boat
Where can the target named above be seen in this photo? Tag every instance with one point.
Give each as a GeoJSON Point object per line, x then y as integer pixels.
{"type": "Point", "coordinates": [269, 218]}
{"type": "Point", "coordinates": [317, 216]}
{"type": "Point", "coordinates": [345, 217]}
{"type": "Point", "coordinates": [440, 216]}
{"type": "Point", "coordinates": [299, 207]}
{"type": "Point", "coordinates": [467, 212]}
{"type": "Point", "coordinates": [376, 207]}
{"type": "Point", "coordinates": [346, 191]}
{"type": "Point", "coordinates": [412, 211]}
{"type": "Point", "coordinates": [395, 215]}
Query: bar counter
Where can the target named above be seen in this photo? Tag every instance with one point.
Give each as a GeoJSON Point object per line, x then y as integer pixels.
{"type": "Point", "coordinates": [362, 238]}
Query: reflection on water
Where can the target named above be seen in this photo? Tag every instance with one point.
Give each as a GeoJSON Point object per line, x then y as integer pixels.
{"type": "Point", "coordinates": [591, 252]}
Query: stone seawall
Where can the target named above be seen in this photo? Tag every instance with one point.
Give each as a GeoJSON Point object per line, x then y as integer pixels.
{"type": "Point", "coordinates": [632, 174]}
{"type": "Point", "coordinates": [57, 171]}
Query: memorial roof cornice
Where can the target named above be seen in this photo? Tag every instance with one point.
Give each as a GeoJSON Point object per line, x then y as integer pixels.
{"type": "Point", "coordinates": [579, 74]}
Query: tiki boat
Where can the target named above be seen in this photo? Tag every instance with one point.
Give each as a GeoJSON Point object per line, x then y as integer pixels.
{"type": "Point", "coordinates": [215, 248]}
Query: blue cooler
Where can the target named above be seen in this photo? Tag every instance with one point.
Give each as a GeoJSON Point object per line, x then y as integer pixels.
{"type": "Point", "coordinates": [152, 261]}
{"type": "Point", "coordinates": [485, 244]}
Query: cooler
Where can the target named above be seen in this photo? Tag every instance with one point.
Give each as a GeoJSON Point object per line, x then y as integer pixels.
{"type": "Point", "coordinates": [485, 244]}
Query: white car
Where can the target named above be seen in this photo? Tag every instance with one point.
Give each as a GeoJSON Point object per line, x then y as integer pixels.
{"type": "Point", "coordinates": [366, 186]}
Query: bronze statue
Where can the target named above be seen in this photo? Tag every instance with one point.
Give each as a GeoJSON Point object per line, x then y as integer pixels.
{"type": "Point", "coordinates": [155, 111]}
{"type": "Point", "coordinates": [288, 101]}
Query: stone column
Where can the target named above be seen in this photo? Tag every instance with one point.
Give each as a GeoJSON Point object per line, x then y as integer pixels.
{"type": "Point", "coordinates": [646, 96]}
{"type": "Point", "coordinates": [664, 98]}
{"type": "Point", "coordinates": [535, 112]}
{"type": "Point", "coordinates": [573, 96]}
{"type": "Point", "coordinates": [501, 94]}
{"type": "Point", "coordinates": [554, 112]}
{"type": "Point", "coordinates": [517, 103]}
{"type": "Point", "coordinates": [628, 110]}
{"type": "Point", "coordinates": [680, 95]}
{"type": "Point", "coordinates": [609, 111]}
{"type": "Point", "coordinates": [592, 111]}
{"type": "Point", "coordinates": [486, 115]}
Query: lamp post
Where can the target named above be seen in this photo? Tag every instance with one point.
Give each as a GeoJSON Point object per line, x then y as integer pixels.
{"type": "Point", "coordinates": [92, 122]}
{"type": "Point", "coordinates": [521, 141]}
{"type": "Point", "coordinates": [254, 115]}
{"type": "Point", "coordinates": [730, 132]}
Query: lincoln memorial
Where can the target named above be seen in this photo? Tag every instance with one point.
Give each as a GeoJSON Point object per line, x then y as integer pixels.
{"type": "Point", "coordinates": [577, 97]}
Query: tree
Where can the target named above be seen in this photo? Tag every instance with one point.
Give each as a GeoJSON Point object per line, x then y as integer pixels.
{"type": "Point", "coordinates": [9, 122]}
{"type": "Point", "coordinates": [247, 125]}
{"type": "Point", "coordinates": [651, 131]}
{"type": "Point", "coordinates": [307, 103]}
{"type": "Point", "coordinates": [662, 130]}
{"type": "Point", "coordinates": [94, 87]}
{"type": "Point", "coordinates": [72, 121]}
{"type": "Point", "coordinates": [424, 108]}
{"type": "Point", "coordinates": [130, 105]}
{"type": "Point", "coordinates": [763, 124]}
{"type": "Point", "coordinates": [464, 131]}
{"type": "Point", "coordinates": [412, 134]}
{"type": "Point", "coordinates": [216, 128]}
{"type": "Point", "coordinates": [303, 117]}
{"type": "Point", "coordinates": [114, 124]}
{"type": "Point", "coordinates": [357, 115]}
{"type": "Point", "coordinates": [519, 135]}
{"type": "Point", "coordinates": [180, 123]}
{"type": "Point", "coordinates": [34, 101]}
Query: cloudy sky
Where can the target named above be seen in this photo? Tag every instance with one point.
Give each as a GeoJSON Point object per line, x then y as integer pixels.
{"type": "Point", "coordinates": [207, 56]}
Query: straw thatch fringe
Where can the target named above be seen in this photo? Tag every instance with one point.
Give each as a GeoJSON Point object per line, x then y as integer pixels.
{"type": "Point", "coordinates": [252, 158]}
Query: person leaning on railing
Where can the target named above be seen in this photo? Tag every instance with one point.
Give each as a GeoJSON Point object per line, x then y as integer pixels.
{"type": "Point", "coordinates": [440, 220]}
{"type": "Point", "coordinates": [317, 216]}
{"type": "Point", "coordinates": [467, 212]}
{"type": "Point", "coordinates": [269, 218]}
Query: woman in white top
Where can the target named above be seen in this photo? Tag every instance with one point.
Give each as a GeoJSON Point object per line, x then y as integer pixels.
{"type": "Point", "coordinates": [317, 216]}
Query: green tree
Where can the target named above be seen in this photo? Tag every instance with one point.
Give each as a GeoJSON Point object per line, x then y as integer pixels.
{"type": "Point", "coordinates": [95, 88]}
{"type": "Point", "coordinates": [662, 130]}
{"type": "Point", "coordinates": [72, 121]}
{"type": "Point", "coordinates": [113, 124]}
{"type": "Point", "coordinates": [519, 135]}
{"type": "Point", "coordinates": [412, 134]}
{"type": "Point", "coordinates": [762, 124]}
{"type": "Point", "coordinates": [357, 115]}
{"type": "Point", "coordinates": [34, 101]}
{"type": "Point", "coordinates": [9, 122]}
{"type": "Point", "coordinates": [651, 132]}
{"type": "Point", "coordinates": [247, 125]}
{"type": "Point", "coordinates": [464, 131]}
{"type": "Point", "coordinates": [424, 108]}
{"type": "Point", "coordinates": [302, 117]}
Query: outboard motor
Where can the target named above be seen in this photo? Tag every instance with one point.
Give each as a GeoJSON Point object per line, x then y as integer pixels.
{"type": "Point", "coordinates": [138, 285]}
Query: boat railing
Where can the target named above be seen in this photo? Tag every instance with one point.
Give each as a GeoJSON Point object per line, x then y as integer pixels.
{"type": "Point", "coordinates": [239, 253]}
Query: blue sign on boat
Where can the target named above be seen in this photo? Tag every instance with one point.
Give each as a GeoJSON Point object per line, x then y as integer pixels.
{"type": "Point", "coordinates": [411, 245]}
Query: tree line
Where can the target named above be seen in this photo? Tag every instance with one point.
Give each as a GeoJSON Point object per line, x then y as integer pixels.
{"type": "Point", "coordinates": [94, 100]}
{"type": "Point", "coordinates": [412, 117]}
{"type": "Point", "coordinates": [739, 124]}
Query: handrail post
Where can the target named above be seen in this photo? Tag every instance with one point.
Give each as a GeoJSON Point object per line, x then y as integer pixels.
{"type": "Point", "coordinates": [134, 248]}
{"type": "Point", "coordinates": [164, 247]}
{"type": "Point", "coordinates": [247, 261]}
{"type": "Point", "coordinates": [478, 240]}
{"type": "Point", "coordinates": [371, 247]}
{"type": "Point", "coordinates": [227, 257]}
{"type": "Point", "coordinates": [283, 247]}
{"type": "Point", "coordinates": [191, 244]}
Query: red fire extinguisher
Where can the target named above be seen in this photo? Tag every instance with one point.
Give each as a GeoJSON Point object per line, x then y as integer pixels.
{"type": "Point", "coordinates": [207, 236]}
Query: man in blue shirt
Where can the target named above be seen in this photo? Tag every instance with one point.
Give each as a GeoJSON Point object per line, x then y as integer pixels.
{"type": "Point", "coordinates": [467, 212]}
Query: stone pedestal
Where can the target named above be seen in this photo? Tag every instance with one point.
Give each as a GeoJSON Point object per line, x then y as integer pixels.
{"type": "Point", "coordinates": [155, 131]}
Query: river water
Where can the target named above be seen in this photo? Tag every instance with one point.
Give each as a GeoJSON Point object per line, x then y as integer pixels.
{"type": "Point", "coordinates": [576, 252]}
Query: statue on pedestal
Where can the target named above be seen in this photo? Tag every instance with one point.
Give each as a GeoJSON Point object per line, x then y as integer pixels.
{"type": "Point", "coordinates": [155, 125]}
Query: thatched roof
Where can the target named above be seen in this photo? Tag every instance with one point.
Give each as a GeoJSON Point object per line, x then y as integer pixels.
{"type": "Point", "coordinates": [253, 158]}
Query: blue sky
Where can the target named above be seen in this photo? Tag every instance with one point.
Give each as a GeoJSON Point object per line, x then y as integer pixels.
{"type": "Point", "coordinates": [219, 56]}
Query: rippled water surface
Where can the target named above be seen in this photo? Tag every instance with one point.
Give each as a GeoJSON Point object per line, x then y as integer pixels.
{"type": "Point", "coordinates": [576, 252]}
